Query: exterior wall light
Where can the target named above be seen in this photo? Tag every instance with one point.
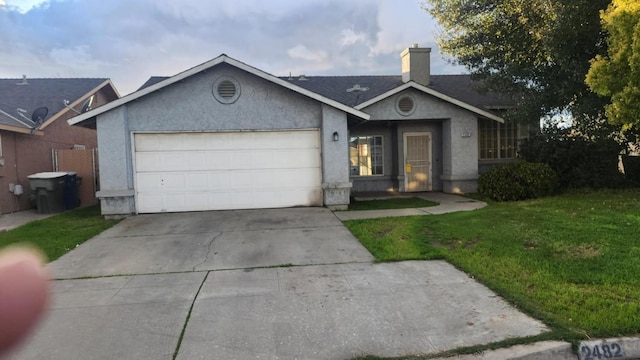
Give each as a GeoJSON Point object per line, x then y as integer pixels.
{"type": "Point", "coordinates": [336, 136]}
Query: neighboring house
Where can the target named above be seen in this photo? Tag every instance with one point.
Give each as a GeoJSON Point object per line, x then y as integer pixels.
{"type": "Point", "coordinates": [225, 135]}
{"type": "Point", "coordinates": [27, 147]}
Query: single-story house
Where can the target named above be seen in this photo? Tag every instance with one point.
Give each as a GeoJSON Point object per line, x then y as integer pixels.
{"type": "Point", "coordinates": [33, 114]}
{"type": "Point", "coordinates": [225, 135]}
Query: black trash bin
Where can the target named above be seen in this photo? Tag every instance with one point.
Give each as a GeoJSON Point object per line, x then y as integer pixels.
{"type": "Point", "coordinates": [49, 189]}
{"type": "Point", "coordinates": [70, 193]}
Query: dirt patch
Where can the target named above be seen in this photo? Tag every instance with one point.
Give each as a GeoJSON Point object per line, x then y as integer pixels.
{"type": "Point", "coordinates": [584, 251]}
{"type": "Point", "coordinates": [458, 243]}
{"type": "Point", "coordinates": [383, 232]}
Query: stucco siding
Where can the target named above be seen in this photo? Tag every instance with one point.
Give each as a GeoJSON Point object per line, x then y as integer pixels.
{"type": "Point", "coordinates": [460, 166]}
{"type": "Point", "coordinates": [335, 158]}
{"type": "Point", "coordinates": [426, 107]}
{"type": "Point", "coordinates": [190, 106]}
{"type": "Point", "coordinates": [114, 142]}
{"type": "Point", "coordinates": [454, 142]}
{"type": "Point", "coordinates": [116, 168]}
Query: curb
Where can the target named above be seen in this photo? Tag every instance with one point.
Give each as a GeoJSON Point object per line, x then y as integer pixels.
{"type": "Point", "coordinates": [625, 348]}
{"type": "Point", "coordinates": [614, 348]}
{"type": "Point", "coordinates": [544, 350]}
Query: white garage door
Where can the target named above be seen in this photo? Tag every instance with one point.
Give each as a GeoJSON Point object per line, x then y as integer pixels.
{"type": "Point", "coordinates": [218, 171]}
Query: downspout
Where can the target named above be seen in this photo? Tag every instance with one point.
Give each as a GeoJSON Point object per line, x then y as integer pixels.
{"type": "Point", "coordinates": [15, 165]}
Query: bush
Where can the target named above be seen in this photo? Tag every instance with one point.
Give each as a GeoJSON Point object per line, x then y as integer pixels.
{"type": "Point", "coordinates": [518, 181]}
{"type": "Point", "coordinates": [631, 168]}
{"type": "Point", "coordinates": [579, 162]}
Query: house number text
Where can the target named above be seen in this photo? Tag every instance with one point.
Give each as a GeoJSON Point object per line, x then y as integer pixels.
{"type": "Point", "coordinates": [599, 350]}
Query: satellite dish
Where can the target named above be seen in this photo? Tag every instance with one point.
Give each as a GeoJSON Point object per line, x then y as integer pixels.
{"type": "Point", "coordinates": [86, 106]}
{"type": "Point", "coordinates": [38, 115]}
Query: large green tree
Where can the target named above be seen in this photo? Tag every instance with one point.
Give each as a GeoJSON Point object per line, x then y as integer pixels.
{"type": "Point", "coordinates": [538, 51]}
{"type": "Point", "coordinates": [617, 75]}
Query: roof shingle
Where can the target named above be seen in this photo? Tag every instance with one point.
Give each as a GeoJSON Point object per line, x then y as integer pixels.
{"type": "Point", "coordinates": [40, 92]}
{"type": "Point", "coordinates": [460, 87]}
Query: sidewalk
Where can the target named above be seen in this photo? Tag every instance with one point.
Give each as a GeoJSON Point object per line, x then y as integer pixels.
{"type": "Point", "coordinates": [16, 219]}
{"type": "Point", "coordinates": [448, 203]}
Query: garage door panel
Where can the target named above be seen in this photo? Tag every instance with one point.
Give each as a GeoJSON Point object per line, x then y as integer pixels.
{"type": "Point", "coordinates": [283, 159]}
{"type": "Point", "coordinates": [225, 141]}
{"type": "Point", "coordinates": [147, 161]}
{"type": "Point", "coordinates": [149, 182]}
{"type": "Point", "coordinates": [149, 202]}
{"type": "Point", "coordinates": [226, 159]}
{"type": "Point", "coordinates": [238, 180]}
{"type": "Point", "coordinates": [156, 161]}
{"type": "Point", "coordinates": [211, 171]}
{"type": "Point", "coordinates": [226, 201]}
{"type": "Point", "coordinates": [293, 178]}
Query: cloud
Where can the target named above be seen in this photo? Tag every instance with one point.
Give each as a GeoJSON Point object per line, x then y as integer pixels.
{"type": "Point", "coordinates": [301, 52]}
{"type": "Point", "coordinates": [130, 41]}
{"type": "Point", "coordinates": [24, 5]}
{"type": "Point", "coordinates": [350, 37]}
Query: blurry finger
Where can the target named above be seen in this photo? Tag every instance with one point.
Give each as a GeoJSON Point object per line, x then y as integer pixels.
{"type": "Point", "coordinates": [24, 292]}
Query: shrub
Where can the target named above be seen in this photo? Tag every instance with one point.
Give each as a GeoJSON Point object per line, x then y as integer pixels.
{"type": "Point", "coordinates": [518, 181]}
{"type": "Point", "coordinates": [578, 162]}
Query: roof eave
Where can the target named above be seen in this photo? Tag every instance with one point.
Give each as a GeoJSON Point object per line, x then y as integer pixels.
{"type": "Point", "coordinates": [20, 130]}
{"type": "Point", "coordinates": [79, 101]}
{"type": "Point", "coordinates": [437, 94]}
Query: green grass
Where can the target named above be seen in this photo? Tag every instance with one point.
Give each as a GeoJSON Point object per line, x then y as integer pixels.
{"type": "Point", "coordinates": [392, 203]}
{"type": "Point", "coordinates": [59, 234]}
{"type": "Point", "coordinates": [572, 260]}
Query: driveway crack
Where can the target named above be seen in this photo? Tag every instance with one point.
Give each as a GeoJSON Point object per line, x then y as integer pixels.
{"type": "Point", "coordinates": [209, 248]}
{"type": "Point", "coordinates": [186, 321]}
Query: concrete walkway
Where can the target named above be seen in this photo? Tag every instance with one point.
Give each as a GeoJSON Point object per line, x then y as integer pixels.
{"type": "Point", "coordinates": [17, 219]}
{"type": "Point", "coordinates": [448, 203]}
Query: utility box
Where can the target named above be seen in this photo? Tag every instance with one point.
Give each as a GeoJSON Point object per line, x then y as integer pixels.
{"type": "Point", "coordinates": [48, 188]}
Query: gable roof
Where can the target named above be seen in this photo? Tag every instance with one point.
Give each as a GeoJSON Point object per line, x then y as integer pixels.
{"type": "Point", "coordinates": [459, 87]}
{"type": "Point", "coordinates": [34, 93]}
{"type": "Point", "coordinates": [161, 82]}
{"type": "Point", "coordinates": [430, 91]}
{"type": "Point", "coordinates": [459, 90]}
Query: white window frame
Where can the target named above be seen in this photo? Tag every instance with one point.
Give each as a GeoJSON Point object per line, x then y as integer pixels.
{"type": "Point", "coordinates": [358, 165]}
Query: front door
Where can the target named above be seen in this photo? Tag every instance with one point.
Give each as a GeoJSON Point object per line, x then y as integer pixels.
{"type": "Point", "coordinates": [417, 161]}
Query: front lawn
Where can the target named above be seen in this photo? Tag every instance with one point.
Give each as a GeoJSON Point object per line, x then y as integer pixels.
{"type": "Point", "coordinates": [391, 203]}
{"type": "Point", "coordinates": [572, 260]}
{"type": "Point", "coordinates": [58, 234]}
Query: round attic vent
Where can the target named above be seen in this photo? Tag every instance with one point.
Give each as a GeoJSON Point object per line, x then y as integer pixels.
{"type": "Point", "coordinates": [226, 90]}
{"type": "Point", "coordinates": [406, 105]}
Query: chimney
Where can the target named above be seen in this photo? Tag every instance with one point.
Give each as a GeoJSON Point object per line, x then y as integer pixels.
{"type": "Point", "coordinates": [416, 65]}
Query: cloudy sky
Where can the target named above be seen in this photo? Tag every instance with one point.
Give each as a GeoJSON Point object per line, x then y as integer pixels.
{"type": "Point", "coordinates": [131, 40]}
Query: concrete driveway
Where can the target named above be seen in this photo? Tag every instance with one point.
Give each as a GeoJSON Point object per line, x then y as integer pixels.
{"type": "Point", "coordinates": [220, 285]}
